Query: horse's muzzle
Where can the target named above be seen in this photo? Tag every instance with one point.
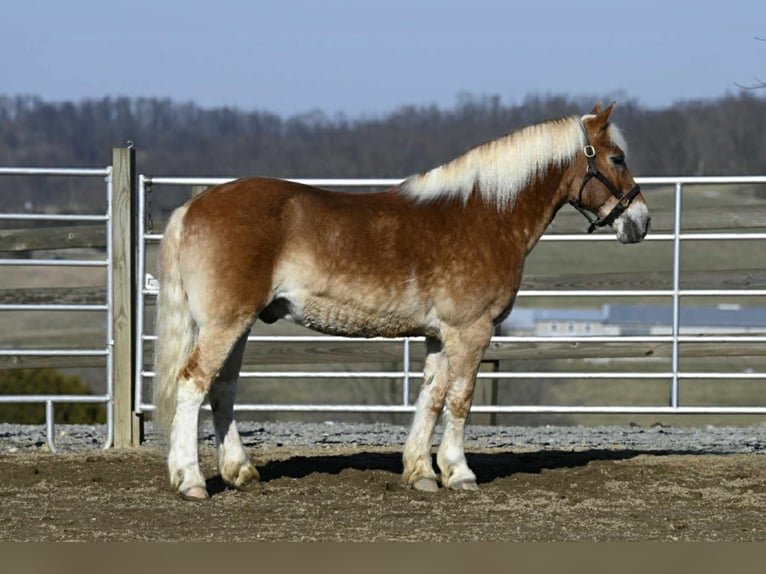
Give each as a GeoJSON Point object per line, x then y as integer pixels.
{"type": "Point", "coordinates": [633, 225]}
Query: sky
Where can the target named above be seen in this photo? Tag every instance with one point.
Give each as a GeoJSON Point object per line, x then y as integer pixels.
{"type": "Point", "coordinates": [366, 59]}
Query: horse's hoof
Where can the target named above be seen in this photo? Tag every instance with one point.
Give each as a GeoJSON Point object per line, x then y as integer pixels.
{"type": "Point", "coordinates": [425, 484]}
{"type": "Point", "coordinates": [248, 479]}
{"type": "Point", "coordinates": [467, 484]}
{"type": "Point", "coordinates": [241, 476]}
{"type": "Point", "coordinates": [193, 494]}
{"type": "Point", "coordinates": [254, 486]}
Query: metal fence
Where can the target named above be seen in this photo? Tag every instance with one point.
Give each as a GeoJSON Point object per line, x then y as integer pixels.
{"type": "Point", "coordinates": [125, 219]}
{"type": "Point", "coordinates": [105, 309]}
{"type": "Point", "coordinates": [146, 288]}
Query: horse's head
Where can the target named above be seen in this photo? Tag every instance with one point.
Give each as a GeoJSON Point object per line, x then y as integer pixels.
{"type": "Point", "coordinates": [602, 187]}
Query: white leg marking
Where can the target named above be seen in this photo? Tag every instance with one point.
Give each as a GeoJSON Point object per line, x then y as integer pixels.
{"type": "Point", "coordinates": [183, 459]}
{"type": "Point", "coordinates": [465, 349]}
{"type": "Point", "coordinates": [418, 470]}
{"type": "Point", "coordinates": [451, 456]}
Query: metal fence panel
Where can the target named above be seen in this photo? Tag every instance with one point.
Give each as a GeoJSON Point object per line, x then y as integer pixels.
{"type": "Point", "coordinates": [148, 287]}
{"type": "Point", "coordinates": [105, 309]}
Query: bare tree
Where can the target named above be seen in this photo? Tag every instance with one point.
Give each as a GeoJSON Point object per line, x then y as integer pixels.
{"type": "Point", "coordinates": [757, 83]}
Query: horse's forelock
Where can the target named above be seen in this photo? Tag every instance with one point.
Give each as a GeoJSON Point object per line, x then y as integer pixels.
{"type": "Point", "coordinates": [615, 134]}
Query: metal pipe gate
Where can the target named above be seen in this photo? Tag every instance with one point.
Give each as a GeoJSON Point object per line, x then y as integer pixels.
{"type": "Point", "coordinates": [147, 287]}
{"type": "Point", "coordinates": [106, 308]}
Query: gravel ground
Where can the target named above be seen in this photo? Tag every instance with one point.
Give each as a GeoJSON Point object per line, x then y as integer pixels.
{"type": "Point", "coordinates": [687, 440]}
{"type": "Point", "coordinates": [342, 482]}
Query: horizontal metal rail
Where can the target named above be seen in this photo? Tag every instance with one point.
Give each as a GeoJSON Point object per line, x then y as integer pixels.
{"type": "Point", "coordinates": [498, 409]}
{"type": "Point", "coordinates": [54, 352]}
{"type": "Point", "coordinates": [510, 339]}
{"type": "Point", "coordinates": [156, 237]}
{"type": "Point", "coordinates": [319, 182]}
{"type": "Point", "coordinates": [96, 218]}
{"type": "Point", "coordinates": [392, 181]}
{"type": "Point", "coordinates": [641, 292]}
{"type": "Point", "coordinates": [57, 171]}
{"type": "Point", "coordinates": [493, 375]}
{"type": "Point", "coordinates": [54, 262]}
{"type": "Point", "coordinates": [50, 307]}
{"type": "Point", "coordinates": [615, 293]}
{"type": "Point", "coordinates": [55, 398]}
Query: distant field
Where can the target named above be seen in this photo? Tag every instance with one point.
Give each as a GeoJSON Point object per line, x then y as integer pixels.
{"type": "Point", "coordinates": [552, 265]}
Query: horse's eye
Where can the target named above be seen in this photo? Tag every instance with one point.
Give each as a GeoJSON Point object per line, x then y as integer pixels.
{"type": "Point", "coordinates": [618, 160]}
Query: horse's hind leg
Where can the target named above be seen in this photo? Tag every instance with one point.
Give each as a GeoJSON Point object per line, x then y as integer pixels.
{"type": "Point", "coordinates": [183, 459]}
{"type": "Point", "coordinates": [233, 462]}
{"type": "Point", "coordinates": [418, 470]}
{"type": "Point", "coordinates": [464, 349]}
{"type": "Point", "coordinates": [213, 346]}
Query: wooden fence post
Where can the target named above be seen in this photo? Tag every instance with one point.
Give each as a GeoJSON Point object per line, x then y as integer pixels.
{"type": "Point", "coordinates": [127, 424]}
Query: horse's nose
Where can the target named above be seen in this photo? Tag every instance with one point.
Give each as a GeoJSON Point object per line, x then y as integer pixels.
{"type": "Point", "coordinates": [647, 226]}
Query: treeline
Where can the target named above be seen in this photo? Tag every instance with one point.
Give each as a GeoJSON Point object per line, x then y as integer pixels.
{"type": "Point", "coordinates": [725, 136]}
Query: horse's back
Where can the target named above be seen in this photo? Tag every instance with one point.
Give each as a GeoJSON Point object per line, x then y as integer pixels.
{"type": "Point", "coordinates": [245, 197]}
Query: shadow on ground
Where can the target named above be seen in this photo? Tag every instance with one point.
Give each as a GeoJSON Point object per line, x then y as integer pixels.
{"type": "Point", "coordinates": [487, 466]}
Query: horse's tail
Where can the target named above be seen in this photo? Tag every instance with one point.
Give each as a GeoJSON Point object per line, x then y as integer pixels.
{"type": "Point", "coordinates": [175, 327]}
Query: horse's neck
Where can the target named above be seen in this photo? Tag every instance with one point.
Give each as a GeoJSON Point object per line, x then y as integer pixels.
{"type": "Point", "coordinates": [534, 208]}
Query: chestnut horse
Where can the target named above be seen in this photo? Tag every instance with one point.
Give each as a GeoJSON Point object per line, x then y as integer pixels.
{"type": "Point", "coordinates": [440, 255]}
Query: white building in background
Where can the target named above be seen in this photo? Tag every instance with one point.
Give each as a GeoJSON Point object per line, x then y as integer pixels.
{"type": "Point", "coordinates": [635, 320]}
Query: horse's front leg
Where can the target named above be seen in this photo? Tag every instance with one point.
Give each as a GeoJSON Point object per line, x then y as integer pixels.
{"type": "Point", "coordinates": [418, 470]}
{"type": "Point", "coordinates": [465, 349]}
{"type": "Point", "coordinates": [233, 463]}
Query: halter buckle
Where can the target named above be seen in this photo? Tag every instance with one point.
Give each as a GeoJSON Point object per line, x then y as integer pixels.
{"type": "Point", "coordinates": [589, 151]}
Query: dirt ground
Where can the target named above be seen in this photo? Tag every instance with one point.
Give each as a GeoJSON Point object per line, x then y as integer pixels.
{"type": "Point", "coordinates": [354, 494]}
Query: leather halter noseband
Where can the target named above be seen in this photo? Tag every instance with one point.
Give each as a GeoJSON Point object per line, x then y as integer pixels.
{"type": "Point", "coordinates": [623, 199]}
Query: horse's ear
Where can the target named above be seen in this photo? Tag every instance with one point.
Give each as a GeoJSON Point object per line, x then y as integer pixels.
{"type": "Point", "coordinates": [596, 109]}
{"type": "Point", "coordinates": [602, 118]}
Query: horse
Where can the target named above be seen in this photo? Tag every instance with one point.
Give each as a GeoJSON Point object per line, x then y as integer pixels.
{"type": "Point", "coordinates": [439, 255]}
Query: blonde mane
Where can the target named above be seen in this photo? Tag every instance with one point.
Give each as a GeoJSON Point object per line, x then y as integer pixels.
{"type": "Point", "coordinates": [503, 167]}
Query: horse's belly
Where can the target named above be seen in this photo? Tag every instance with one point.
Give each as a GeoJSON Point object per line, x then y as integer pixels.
{"type": "Point", "coordinates": [352, 319]}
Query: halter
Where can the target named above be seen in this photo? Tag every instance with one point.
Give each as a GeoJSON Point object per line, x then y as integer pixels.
{"type": "Point", "coordinates": [623, 199]}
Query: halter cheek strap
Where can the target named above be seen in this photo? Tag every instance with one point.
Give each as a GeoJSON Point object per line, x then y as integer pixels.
{"type": "Point", "coordinates": [623, 199]}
